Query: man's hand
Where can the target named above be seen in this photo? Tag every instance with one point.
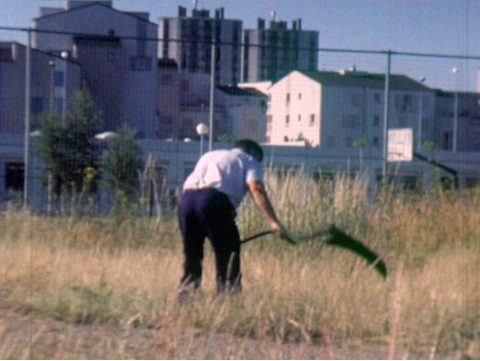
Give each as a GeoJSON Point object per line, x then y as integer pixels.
{"type": "Point", "coordinates": [279, 230]}
{"type": "Point", "coordinates": [261, 199]}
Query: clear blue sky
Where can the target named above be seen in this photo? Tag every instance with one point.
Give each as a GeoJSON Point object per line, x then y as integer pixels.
{"type": "Point", "coordinates": [426, 26]}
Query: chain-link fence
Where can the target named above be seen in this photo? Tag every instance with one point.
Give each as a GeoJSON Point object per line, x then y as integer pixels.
{"type": "Point", "coordinates": [85, 87]}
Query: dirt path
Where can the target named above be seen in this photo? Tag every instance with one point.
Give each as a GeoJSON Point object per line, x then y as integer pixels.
{"type": "Point", "coordinates": [28, 337]}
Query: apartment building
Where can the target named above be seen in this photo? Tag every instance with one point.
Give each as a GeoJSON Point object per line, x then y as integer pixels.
{"type": "Point", "coordinates": [49, 88]}
{"type": "Point", "coordinates": [118, 62]}
{"type": "Point", "coordinates": [462, 109]}
{"type": "Point", "coordinates": [188, 39]}
{"type": "Point", "coordinates": [49, 91]}
{"type": "Point", "coordinates": [273, 52]}
{"type": "Point", "coordinates": [344, 110]}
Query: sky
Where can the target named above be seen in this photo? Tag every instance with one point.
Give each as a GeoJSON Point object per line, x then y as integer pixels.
{"type": "Point", "coordinates": [421, 26]}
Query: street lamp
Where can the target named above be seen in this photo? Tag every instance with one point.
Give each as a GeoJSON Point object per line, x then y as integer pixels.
{"type": "Point", "coordinates": [202, 130]}
{"type": "Point", "coordinates": [105, 136]}
{"type": "Point", "coordinates": [455, 111]}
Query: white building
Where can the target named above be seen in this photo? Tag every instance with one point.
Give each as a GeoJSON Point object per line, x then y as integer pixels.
{"type": "Point", "coordinates": [342, 110]}
{"type": "Point", "coordinates": [245, 112]}
{"type": "Point", "coordinates": [118, 63]}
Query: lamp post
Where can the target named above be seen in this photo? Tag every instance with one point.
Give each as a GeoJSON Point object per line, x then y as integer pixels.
{"type": "Point", "coordinates": [51, 64]}
{"type": "Point", "coordinates": [202, 130]}
{"type": "Point", "coordinates": [65, 55]}
{"type": "Point", "coordinates": [455, 111]}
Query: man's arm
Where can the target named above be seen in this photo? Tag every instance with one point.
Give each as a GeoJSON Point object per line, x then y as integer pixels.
{"type": "Point", "coordinates": [262, 201]}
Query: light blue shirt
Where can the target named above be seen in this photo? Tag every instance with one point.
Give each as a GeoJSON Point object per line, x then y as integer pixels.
{"type": "Point", "coordinates": [229, 171]}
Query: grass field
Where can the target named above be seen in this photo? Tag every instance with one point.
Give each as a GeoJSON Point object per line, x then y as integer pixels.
{"type": "Point", "coordinates": [87, 287]}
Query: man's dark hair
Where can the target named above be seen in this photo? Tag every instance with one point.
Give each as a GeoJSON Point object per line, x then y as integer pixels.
{"type": "Point", "coordinates": [250, 147]}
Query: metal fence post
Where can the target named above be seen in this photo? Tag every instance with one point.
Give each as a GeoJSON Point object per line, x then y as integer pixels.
{"type": "Point", "coordinates": [26, 166]}
{"type": "Point", "coordinates": [212, 94]}
{"type": "Point", "coordinates": [386, 111]}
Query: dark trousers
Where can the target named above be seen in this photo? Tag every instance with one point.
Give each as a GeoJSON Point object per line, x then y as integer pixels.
{"type": "Point", "coordinates": [209, 213]}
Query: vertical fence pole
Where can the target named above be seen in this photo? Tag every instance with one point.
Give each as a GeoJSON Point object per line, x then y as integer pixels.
{"type": "Point", "coordinates": [26, 167]}
{"type": "Point", "coordinates": [212, 94]}
{"type": "Point", "coordinates": [386, 113]}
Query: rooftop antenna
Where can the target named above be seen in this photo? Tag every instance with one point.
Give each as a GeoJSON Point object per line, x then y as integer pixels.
{"type": "Point", "coordinates": [195, 4]}
{"type": "Point", "coordinates": [274, 15]}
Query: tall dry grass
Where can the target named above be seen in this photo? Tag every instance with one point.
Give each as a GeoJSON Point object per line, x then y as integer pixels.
{"type": "Point", "coordinates": [124, 274]}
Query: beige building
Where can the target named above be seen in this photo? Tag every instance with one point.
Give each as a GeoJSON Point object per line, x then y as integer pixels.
{"type": "Point", "coordinates": [344, 110]}
{"type": "Point", "coordinates": [119, 66]}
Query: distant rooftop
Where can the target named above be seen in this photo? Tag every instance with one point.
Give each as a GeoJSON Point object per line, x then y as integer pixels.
{"type": "Point", "coordinates": [365, 79]}
{"type": "Point", "coordinates": [233, 90]}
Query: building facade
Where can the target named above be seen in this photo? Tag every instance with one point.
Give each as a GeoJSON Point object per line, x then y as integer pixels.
{"type": "Point", "coordinates": [188, 40]}
{"type": "Point", "coordinates": [245, 112]}
{"type": "Point", "coordinates": [48, 89]}
{"type": "Point", "coordinates": [271, 53]}
{"type": "Point", "coordinates": [117, 60]}
{"type": "Point", "coordinates": [462, 109]}
{"type": "Point", "coordinates": [344, 110]}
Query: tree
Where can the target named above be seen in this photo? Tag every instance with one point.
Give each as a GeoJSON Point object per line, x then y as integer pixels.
{"type": "Point", "coordinates": [122, 164]}
{"type": "Point", "coordinates": [68, 145]}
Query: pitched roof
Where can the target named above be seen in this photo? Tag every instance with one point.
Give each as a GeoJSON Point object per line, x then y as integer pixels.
{"type": "Point", "coordinates": [364, 79]}
{"type": "Point", "coordinates": [140, 16]}
{"type": "Point", "coordinates": [234, 90]}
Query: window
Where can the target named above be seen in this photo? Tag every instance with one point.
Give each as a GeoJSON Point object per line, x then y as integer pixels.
{"type": "Point", "coordinates": [14, 176]}
{"type": "Point", "coordinates": [376, 98]}
{"type": "Point", "coordinates": [312, 119]}
{"type": "Point", "coordinates": [59, 79]}
{"type": "Point", "coordinates": [376, 120]}
{"type": "Point", "coordinates": [350, 121]}
{"type": "Point", "coordinates": [166, 119]}
{"type": "Point", "coordinates": [287, 120]}
{"type": "Point", "coordinates": [349, 142]}
{"type": "Point", "coordinates": [402, 121]}
{"type": "Point", "coordinates": [376, 142]}
{"type": "Point", "coordinates": [299, 95]}
{"type": "Point", "coordinates": [111, 57]}
{"type": "Point", "coordinates": [331, 141]}
{"type": "Point", "coordinates": [355, 99]}
{"type": "Point", "coordinates": [447, 140]}
{"type": "Point", "coordinates": [288, 98]}
{"type": "Point", "coordinates": [166, 79]}
{"type": "Point", "coordinates": [1, 111]}
{"type": "Point", "coordinates": [184, 86]}
{"type": "Point", "coordinates": [405, 103]}
{"type": "Point", "coordinates": [299, 117]}
{"type": "Point", "coordinates": [59, 105]}
{"type": "Point", "coordinates": [37, 105]}
{"type": "Point", "coordinates": [140, 63]}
